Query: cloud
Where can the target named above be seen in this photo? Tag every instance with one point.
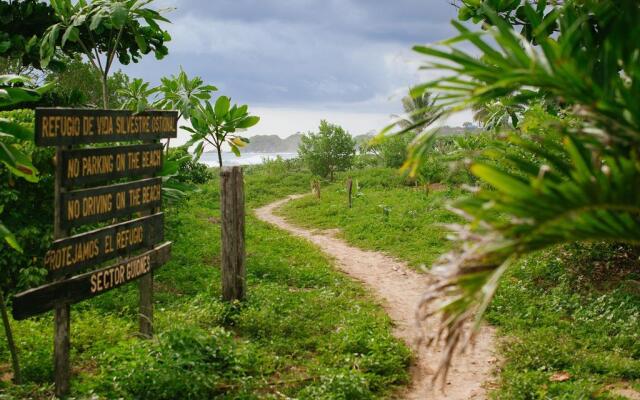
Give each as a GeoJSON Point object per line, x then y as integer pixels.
{"type": "Point", "coordinates": [334, 55]}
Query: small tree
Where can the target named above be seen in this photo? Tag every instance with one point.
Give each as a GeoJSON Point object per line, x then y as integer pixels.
{"type": "Point", "coordinates": [178, 92]}
{"type": "Point", "coordinates": [331, 149]}
{"type": "Point", "coordinates": [217, 125]}
{"type": "Point", "coordinates": [104, 29]}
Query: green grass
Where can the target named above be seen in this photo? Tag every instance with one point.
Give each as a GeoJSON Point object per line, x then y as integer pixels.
{"type": "Point", "coordinates": [575, 309]}
{"type": "Point", "coordinates": [306, 331]}
{"type": "Point", "coordinates": [404, 221]}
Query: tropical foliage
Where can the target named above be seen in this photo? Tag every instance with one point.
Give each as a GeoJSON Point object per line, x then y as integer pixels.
{"type": "Point", "coordinates": [573, 179]}
{"type": "Point", "coordinates": [329, 150]}
{"type": "Point", "coordinates": [218, 125]}
{"type": "Point", "coordinates": [11, 132]}
{"type": "Point", "coordinates": [104, 30]}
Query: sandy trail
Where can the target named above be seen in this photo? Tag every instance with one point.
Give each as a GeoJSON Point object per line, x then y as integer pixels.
{"type": "Point", "coordinates": [399, 288]}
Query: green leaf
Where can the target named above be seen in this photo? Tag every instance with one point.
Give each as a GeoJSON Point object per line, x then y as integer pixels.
{"type": "Point", "coordinates": [6, 234]}
{"type": "Point", "coordinates": [15, 129]}
{"type": "Point", "coordinates": [222, 106]}
{"type": "Point", "coordinates": [501, 180]}
{"type": "Point", "coordinates": [142, 44]}
{"type": "Point", "coordinates": [119, 15]}
{"type": "Point", "coordinates": [71, 34]}
{"type": "Point", "coordinates": [248, 122]}
{"type": "Point", "coordinates": [96, 20]}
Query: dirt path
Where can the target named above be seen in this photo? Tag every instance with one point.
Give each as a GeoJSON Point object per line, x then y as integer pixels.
{"type": "Point", "coordinates": [399, 287]}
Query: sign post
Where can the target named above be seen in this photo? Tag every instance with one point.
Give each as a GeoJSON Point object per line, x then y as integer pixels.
{"type": "Point", "coordinates": [75, 262]}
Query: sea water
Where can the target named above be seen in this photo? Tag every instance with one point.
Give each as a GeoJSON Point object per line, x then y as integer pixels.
{"type": "Point", "coordinates": [230, 159]}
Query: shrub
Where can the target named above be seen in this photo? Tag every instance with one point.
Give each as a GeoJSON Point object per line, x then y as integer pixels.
{"type": "Point", "coordinates": [186, 363]}
{"type": "Point", "coordinates": [27, 208]}
{"type": "Point", "coordinates": [331, 149]}
{"type": "Point", "coordinates": [190, 171]}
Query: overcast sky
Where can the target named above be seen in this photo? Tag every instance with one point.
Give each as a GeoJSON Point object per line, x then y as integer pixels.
{"type": "Point", "coordinates": [298, 61]}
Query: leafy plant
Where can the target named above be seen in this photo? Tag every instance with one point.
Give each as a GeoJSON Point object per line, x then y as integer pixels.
{"type": "Point", "coordinates": [23, 25]}
{"type": "Point", "coordinates": [183, 94]}
{"type": "Point", "coordinates": [577, 180]}
{"type": "Point", "coordinates": [104, 30]}
{"type": "Point", "coordinates": [189, 171]}
{"type": "Point", "coordinates": [136, 95]}
{"type": "Point", "coordinates": [11, 132]}
{"type": "Point", "coordinates": [329, 150]}
{"type": "Point", "coordinates": [219, 124]}
{"type": "Point", "coordinates": [179, 92]}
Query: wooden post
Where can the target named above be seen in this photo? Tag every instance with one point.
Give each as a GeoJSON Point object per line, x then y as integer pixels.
{"type": "Point", "coordinates": [234, 274]}
{"type": "Point", "coordinates": [62, 320]}
{"type": "Point", "coordinates": [349, 190]}
{"type": "Point", "coordinates": [145, 291]}
{"type": "Point", "coordinates": [145, 318]}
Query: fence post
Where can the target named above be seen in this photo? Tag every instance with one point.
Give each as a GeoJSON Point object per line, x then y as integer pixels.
{"type": "Point", "coordinates": [234, 285]}
{"type": "Point", "coordinates": [61, 316]}
{"type": "Point", "coordinates": [145, 286]}
{"type": "Point", "coordinates": [350, 190]}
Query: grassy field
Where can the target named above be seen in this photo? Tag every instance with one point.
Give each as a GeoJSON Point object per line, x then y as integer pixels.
{"type": "Point", "coordinates": [388, 215]}
{"type": "Point", "coordinates": [567, 313]}
{"type": "Point", "coordinates": [306, 331]}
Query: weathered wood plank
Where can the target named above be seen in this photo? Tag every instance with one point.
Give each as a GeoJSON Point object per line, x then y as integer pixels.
{"type": "Point", "coordinates": [90, 284]}
{"type": "Point", "coordinates": [85, 206]}
{"type": "Point", "coordinates": [83, 166]}
{"type": "Point", "coordinates": [234, 274]}
{"type": "Point", "coordinates": [73, 126]}
{"type": "Point", "coordinates": [70, 255]}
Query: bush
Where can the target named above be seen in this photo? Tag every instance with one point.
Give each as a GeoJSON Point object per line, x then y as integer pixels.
{"type": "Point", "coordinates": [393, 150]}
{"type": "Point", "coordinates": [186, 363]}
{"type": "Point", "coordinates": [190, 171]}
{"type": "Point", "coordinates": [330, 150]}
{"type": "Point", "coordinates": [27, 209]}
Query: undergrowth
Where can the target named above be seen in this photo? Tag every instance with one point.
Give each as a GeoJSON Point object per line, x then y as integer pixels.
{"type": "Point", "coordinates": [568, 319]}
{"type": "Point", "coordinates": [305, 331]}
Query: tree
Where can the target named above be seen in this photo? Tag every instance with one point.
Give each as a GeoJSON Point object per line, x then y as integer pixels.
{"type": "Point", "coordinates": [577, 178]}
{"type": "Point", "coordinates": [78, 84]}
{"type": "Point", "coordinates": [418, 112]}
{"type": "Point", "coordinates": [104, 30]}
{"type": "Point", "coordinates": [23, 25]}
{"type": "Point", "coordinates": [219, 124]}
{"type": "Point", "coordinates": [331, 149]}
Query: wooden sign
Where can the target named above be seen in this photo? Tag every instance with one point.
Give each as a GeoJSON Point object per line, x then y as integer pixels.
{"type": "Point", "coordinates": [85, 206]}
{"type": "Point", "coordinates": [73, 126]}
{"type": "Point", "coordinates": [72, 254]}
{"type": "Point", "coordinates": [90, 284]}
{"type": "Point", "coordinates": [93, 165]}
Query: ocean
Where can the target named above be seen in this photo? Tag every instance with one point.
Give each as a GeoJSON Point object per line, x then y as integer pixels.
{"type": "Point", "coordinates": [230, 159]}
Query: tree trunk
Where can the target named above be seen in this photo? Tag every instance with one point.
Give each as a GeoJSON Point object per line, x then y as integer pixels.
{"type": "Point", "coordinates": [10, 343]}
{"type": "Point", "coordinates": [219, 156]}
{"type": "Point", "coordinates": [105, 92]}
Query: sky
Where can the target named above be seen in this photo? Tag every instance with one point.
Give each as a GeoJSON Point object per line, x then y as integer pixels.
{"type": "Point", "coordinates": [295, 62]}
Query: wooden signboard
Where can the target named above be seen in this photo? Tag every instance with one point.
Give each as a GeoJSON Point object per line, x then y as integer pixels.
{"type": "Point", "coordinates": [72, 126]}
{"type": "Point", "coordinates": [83, 166]}
{"type": "Point", "coordinates": [69, 255]}
{"type": "Point", "coordinates": [90, 284]}
{"type": "Point", "coordinates": [85, 206]}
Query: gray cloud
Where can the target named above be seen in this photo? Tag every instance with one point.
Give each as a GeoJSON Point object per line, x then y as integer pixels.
{"type": "Point", "coordinates": [304, 53]}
